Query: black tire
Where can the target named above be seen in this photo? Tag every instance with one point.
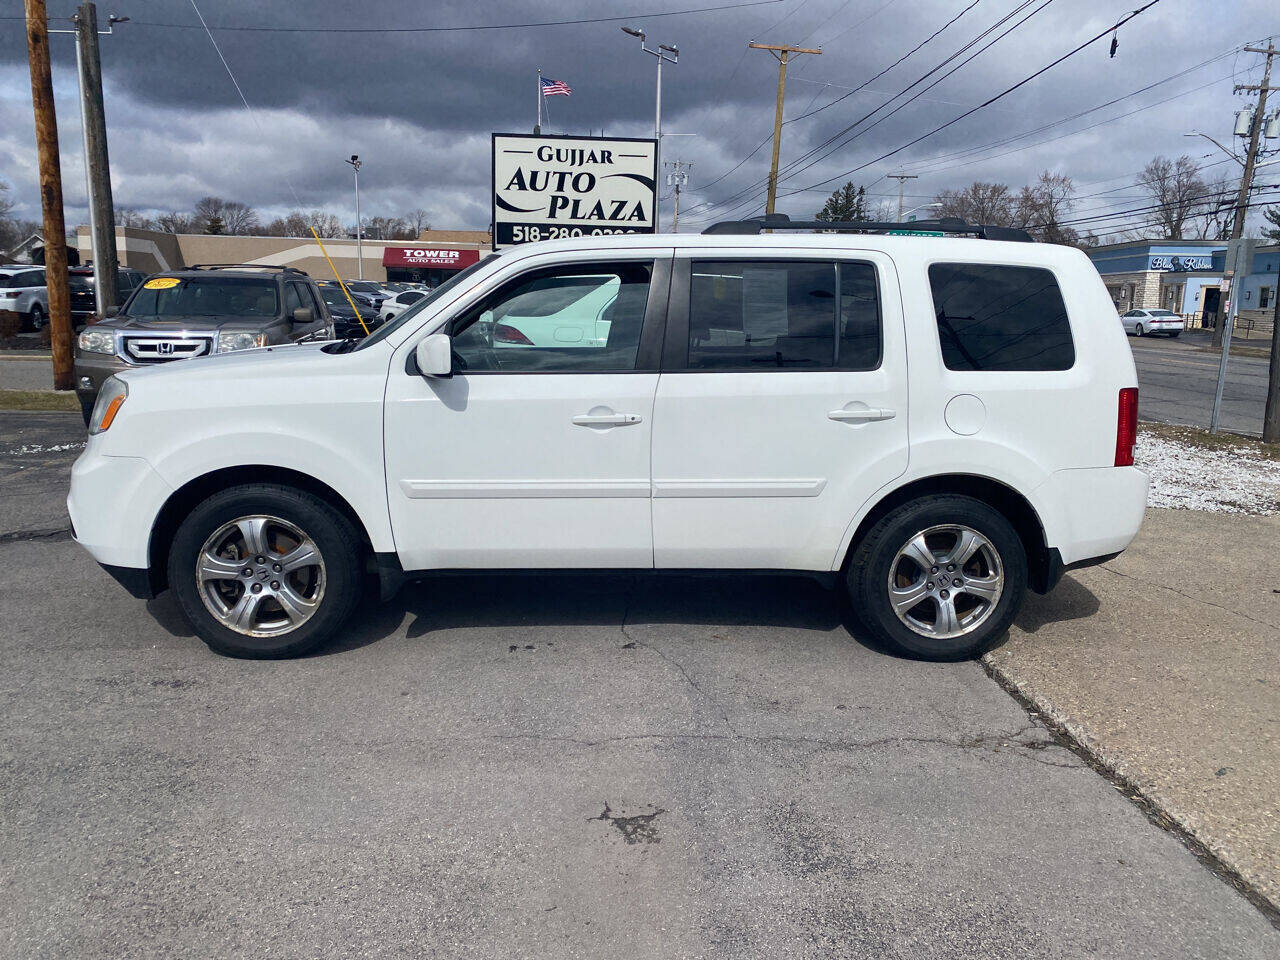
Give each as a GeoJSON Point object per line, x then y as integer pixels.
{"type": "Point", "coordinates": [867, 576]}
{"type": "Point", "coordinates": [1137, 330]}
{"type": "Point", "coordinates": [332, 534]}
{"type": "Point", "coordinates": [36, 317]}
{"type": "Point", "coordinates": [1174, 335]}
{"type": "Point", "coordinates": [86, 408]}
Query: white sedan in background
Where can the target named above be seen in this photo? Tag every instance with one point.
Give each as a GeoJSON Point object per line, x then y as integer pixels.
{"type": "Point", "coordinates": [1143, 322]}
{"type": "Point", "coordinates": [399, 303]}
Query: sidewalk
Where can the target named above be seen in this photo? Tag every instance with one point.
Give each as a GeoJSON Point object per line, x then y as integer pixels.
{"type": "Point", "coordinates": [26, 373]}
{"type": "Point", "coordinates": [1165, 665]}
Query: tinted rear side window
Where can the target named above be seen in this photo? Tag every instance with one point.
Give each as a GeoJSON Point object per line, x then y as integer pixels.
{"type": "Point", "coordinates": [796, 315]}
{"type": "Point", "coordinates": [993, 317]}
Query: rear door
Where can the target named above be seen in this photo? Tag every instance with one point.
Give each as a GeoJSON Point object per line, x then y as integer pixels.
{"type": "Point", "coordinates": [781, 409]}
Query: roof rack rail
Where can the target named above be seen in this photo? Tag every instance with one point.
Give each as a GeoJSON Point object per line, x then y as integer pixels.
{"type": "Point", "coordinates": [780, 221]}
{"type": "Point", "coordinates": [244, 266]}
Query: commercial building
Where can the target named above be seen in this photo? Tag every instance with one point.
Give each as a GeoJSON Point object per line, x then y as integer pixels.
{"type": "Point", "coordinates": [1177, 275]}
{"type": "Point", "coordinates": [432, 257]}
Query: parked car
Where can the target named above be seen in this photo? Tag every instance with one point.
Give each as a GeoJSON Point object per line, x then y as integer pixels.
{"type": "Point", "coordinates": [23, 290]}
{"type": "Point", "coordinates": [198, 312]}
{"type": "Point", "coordinates": [370, 289]}
{"type": "Point", "coordinates": [346, 324]}
{"type": "Point", "coordinates": [84, 303]}
{"type": "Point", "coordinates": [883, 413]}
{"type": "Point", "coordinates": [400, 302]}
{"type": "Point", "coordinates": [1143, 322]}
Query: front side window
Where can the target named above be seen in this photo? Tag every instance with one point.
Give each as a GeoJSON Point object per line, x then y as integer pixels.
{"type": "Point", "coordinates": [996, 317]}
{"type": "Point", "coordinates": [583, 317]}
{"type": "Point", "coordinates": [783, 315]}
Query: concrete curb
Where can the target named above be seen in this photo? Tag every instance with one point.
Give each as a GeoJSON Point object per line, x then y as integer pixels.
{"type": "Point", "coordinates": [29, 357]}
{"type": "Point", "coordinates": [1156, 807]}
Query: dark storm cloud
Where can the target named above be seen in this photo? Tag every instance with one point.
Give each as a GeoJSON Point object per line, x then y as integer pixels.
{"type": "Point", "coordinates": [420, 106]}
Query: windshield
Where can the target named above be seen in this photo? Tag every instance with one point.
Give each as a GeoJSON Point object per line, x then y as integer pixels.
{"type": "Point", "coordinates": [364, 286]}
{"type": "Point", "coordinates": [449, 285]}
{"type": "Point", "coordinates": [205, 297]}
{"type": "Point", "coordinates": [334, 297]}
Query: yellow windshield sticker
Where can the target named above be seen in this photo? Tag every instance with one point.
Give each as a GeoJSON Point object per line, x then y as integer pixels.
{"type": "Point", "coordinates": [162, 283]}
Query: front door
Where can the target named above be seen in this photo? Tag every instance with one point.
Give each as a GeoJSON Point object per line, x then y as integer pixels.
{"type": "Point", "coordinates": [536, 452]}
{"type": "Point", "coordinates": [782, 407]}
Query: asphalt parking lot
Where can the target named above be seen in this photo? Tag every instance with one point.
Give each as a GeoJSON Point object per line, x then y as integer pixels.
{"type": "Point", "coordinates": [1176, 382]}
{"type": "Point", "coordinates": [561, 767]}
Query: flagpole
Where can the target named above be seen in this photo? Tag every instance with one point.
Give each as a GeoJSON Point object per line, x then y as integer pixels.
{"type": "Point", "coordinates": [537, 128]}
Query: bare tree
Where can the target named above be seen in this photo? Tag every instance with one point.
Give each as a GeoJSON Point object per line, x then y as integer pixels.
{"type": "Point", "coordinates": [174, 222]}
{"type": "Point", "coordinates": [1213, 216]}
{"type": "Point", "coordinates": [298, 223]}
{"type": "Point", "coordinates": [417, 221]}
{"type": "Point", "coordinates": [216, 215]}
{"type": "Point", "coordinates": [979, 202]}
{"type": "Point", "coordinates": [1042, 207]}
{"type": "Point", "coordinates": [388, 228]}
{"type": "Point", "coordinates": [1175, 188]}
{"type": "Point", "coordinates": [125, 217]}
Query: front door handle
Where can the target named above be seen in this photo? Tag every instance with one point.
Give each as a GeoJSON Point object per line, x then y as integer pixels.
{"type": "Point", "coordinates": [862, 415]}
{"type": "Point", "coordinates": [606, 420]}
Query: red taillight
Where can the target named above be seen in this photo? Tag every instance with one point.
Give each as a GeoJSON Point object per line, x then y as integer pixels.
{"type": "Point", "coordinates": [505, 334]}
{"type": "Point", "coordinates": [1126, 426]}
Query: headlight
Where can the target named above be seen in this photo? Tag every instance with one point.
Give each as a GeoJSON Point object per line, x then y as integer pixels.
{"type": "Point", "coordinates": [97, 341]}
{"type": "Point", "coordinates": [110, 399]}
{"type": "Point", "coordinates": [240, 341]}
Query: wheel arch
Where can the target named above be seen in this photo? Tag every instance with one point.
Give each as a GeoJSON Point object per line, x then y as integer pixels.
{"type": "Point", "coordinates": [1043, 566]}
{"type": "Point", "coordinates": [184, 498]}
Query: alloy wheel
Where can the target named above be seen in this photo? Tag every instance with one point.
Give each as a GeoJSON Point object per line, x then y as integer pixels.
{"type": "Point", "coordinates": [260, 576]}
{"type": "Point", "coordinates": [945, 581]}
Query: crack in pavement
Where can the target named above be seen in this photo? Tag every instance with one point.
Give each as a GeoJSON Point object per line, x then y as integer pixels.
{"type": "Point", "coordinates": [1194, 599]}
{"type": "Point", "coordinates": [48, 533]}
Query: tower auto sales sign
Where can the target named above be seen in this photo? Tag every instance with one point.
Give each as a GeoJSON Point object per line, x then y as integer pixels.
{"type": "Point", "coordinates": [547, 188]}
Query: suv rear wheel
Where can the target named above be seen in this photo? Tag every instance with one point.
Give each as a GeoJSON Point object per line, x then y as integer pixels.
{"type": "Point", "coordinates": [36, 317]}
{"type": "Point", "coordinates": [265, 571]}
{"type": "Point", "coordinates": [939, 578]}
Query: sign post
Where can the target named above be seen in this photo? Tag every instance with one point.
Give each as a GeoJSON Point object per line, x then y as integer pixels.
{"type": "Point", "coordinates": [553, 187]}
{"type": "Point", "coordinates": [1239, 263]}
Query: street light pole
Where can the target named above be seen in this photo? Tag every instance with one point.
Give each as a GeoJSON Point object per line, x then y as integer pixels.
{"type": "Point", "coordinates": [661, 54]}
{"type": "Point", "coordinates": [356, 163]}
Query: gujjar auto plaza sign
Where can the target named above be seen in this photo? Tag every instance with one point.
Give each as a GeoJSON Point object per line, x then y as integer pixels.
{"type": "Point", "coordinates": [546, 188]}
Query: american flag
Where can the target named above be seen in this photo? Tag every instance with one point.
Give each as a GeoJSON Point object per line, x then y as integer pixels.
{"type": "Point", "coordinates": [555, 88]}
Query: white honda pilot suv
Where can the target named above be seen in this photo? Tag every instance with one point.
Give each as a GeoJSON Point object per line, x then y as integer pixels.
{"type": "Point", "coordinates": [935, 422]}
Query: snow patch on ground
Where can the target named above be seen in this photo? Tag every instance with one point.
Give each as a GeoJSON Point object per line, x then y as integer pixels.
{"type": "Point", "coordinates": [1191, 477]}
{"type": "Point", "coordinates": [29, 449]}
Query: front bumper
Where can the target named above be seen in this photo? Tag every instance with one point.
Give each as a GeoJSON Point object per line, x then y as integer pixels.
{"type": "Point", "coordinates": [113, 504]}
{"type": "Point", "coordinates": [92, 370]}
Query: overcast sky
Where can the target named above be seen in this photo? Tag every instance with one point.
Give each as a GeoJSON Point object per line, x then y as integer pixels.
{"type": "Point", "coordinates": [419, 107]}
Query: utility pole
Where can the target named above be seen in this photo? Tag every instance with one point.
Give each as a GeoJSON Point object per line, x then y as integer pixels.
{"type": "Point", "coordinates": [901, 177]}
{"type": "Point", "coordinates": [677, 179]}
{"type": "Point", "coordinates": [1246, 178]}
{"type": "Point", "coordinates": [356, 163]}
{"type": "Point", "coordinates": [55, 227]}
{"type": "Point", "coordinates": [102, 217]}
{"type": "Point", "coordinates": [781, 53]}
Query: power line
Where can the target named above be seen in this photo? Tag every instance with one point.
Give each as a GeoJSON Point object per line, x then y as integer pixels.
{"type": "Point", "coordinates": [453, 29]}
{"type": "Point", "coordinates": [798, 164]}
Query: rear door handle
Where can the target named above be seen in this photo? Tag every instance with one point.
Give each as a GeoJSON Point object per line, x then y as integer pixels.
{"type": "Point", "coordinates": [606, 420]}
{"type": "Point", "coordinates": [862, 415]}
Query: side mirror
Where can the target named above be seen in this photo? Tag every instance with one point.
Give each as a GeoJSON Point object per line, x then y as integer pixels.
{"type": "Point", "coordinates": [303, 315]}
{"type": "Point", "coordinates": [111, 312]}
{"type": "Point", "coordinates": [435, 356]}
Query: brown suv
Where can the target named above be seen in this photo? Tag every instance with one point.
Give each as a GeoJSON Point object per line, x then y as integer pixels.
{"type": "Point", "coordinates": [196, 312]}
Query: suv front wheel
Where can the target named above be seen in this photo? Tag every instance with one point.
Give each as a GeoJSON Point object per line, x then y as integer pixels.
{"type": "Point", "coordinates": [940, 578]}
{"type": "Point", "coordinates": [265, 571]}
